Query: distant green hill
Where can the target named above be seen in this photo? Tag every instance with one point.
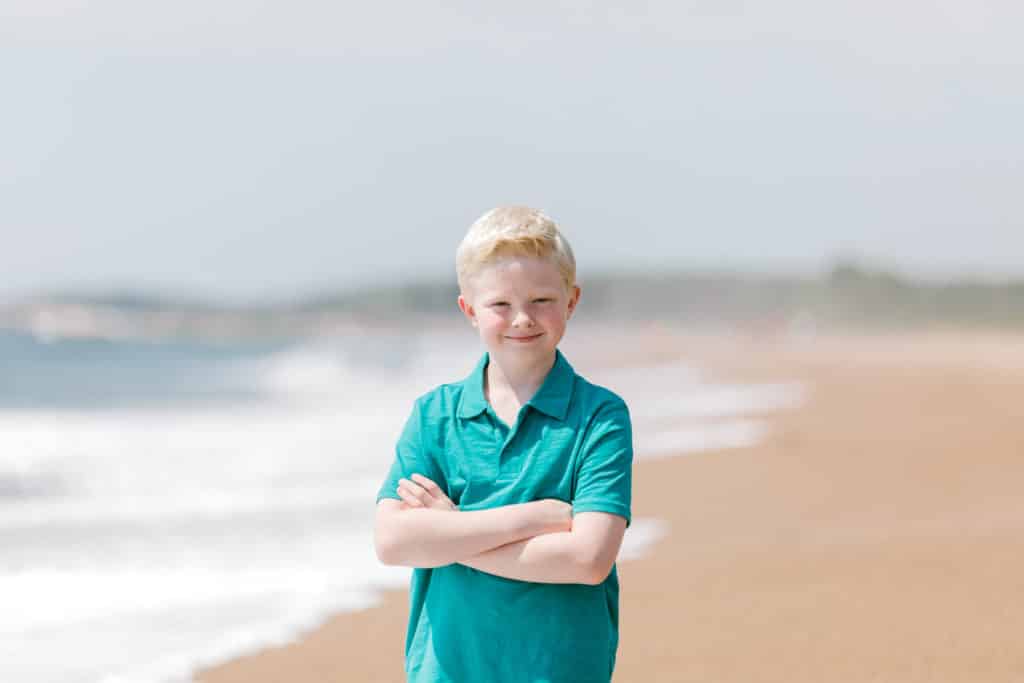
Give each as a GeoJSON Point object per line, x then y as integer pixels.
{"type": "Point", "coordinates": [849, 294]}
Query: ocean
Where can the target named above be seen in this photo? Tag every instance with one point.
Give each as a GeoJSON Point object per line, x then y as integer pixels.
{"type": "Point", "coordinates": [166, 506]}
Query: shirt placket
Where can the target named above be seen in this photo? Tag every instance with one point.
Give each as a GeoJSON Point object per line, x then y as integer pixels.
{"type": "Point", "coordinates": [503, 437]}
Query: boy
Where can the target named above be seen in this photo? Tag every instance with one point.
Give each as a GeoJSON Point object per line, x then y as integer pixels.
{"type": "Point", "coordinates": [510, 490]}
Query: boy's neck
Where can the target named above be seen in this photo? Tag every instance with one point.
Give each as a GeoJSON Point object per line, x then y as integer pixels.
{"type": "Point", "coordinates": [523, 380]}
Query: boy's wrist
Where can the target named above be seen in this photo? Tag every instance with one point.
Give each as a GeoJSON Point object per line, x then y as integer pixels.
{"type": "Point", "coordinates": [548, 516]}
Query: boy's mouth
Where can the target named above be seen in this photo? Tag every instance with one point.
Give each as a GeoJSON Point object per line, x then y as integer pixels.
{"type": "Point", "coordinates": [524, 339]}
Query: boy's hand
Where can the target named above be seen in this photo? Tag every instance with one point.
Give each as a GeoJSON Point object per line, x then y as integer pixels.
{"type": "Point", "coordinates": [557, 514]}
{"type": "Point", "coordinates": [552, 515]}
{"type": "Point", "coordinates": [423, 493]}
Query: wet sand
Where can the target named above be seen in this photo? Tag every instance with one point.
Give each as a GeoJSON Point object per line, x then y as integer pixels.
{"type": "Point", "coordinates": [877, 534]}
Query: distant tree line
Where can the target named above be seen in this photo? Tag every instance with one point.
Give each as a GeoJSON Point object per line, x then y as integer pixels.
{"type": "Point", "coordinates": [849, 294]}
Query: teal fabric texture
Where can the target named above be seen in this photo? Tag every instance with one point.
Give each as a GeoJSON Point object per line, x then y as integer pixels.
{"type": "Point", "coordinates": [571, 441]}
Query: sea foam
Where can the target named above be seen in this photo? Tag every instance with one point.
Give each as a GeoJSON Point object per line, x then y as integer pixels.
{"type": "Point", "coordinates": [142, 542]}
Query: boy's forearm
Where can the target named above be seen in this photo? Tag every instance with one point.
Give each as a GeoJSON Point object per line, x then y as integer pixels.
{"type": "Point", "coordinates": [547, 558]}
{"type": "Point", "coordinates": [423, 537]}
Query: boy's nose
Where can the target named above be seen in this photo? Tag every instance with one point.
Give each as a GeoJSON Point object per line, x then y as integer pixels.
{"type": "Point", "coordinates": [522, 320]}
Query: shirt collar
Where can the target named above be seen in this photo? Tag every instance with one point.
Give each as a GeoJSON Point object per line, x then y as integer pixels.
{"type": "Point", "coordinates": [551, 399]}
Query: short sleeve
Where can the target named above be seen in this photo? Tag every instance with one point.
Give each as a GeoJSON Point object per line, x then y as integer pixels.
{"type": "Point", "coordinates": [605, 477]}
{"type": "Point", "coordinates": [410, 457]}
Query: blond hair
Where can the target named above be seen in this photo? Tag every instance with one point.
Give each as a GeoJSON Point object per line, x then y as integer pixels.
{"type": "Point", "coordinates": [513, 231]}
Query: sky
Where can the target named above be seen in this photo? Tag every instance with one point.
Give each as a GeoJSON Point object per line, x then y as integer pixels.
{"type": "Point", "coordinates": [248, 151]}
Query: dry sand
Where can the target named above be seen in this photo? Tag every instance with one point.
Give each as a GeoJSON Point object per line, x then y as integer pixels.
{"type": "Point", "coordinates": [876, 535]}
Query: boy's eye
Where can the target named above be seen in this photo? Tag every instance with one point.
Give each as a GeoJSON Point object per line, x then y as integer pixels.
{"type": "Point", "coordinates": [542, 300]}
{"type": "Point", "coordinates": [500, 303]}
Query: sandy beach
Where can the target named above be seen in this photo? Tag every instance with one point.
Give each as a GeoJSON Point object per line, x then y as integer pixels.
{"type": "Point", "coordinates": [877, 533]}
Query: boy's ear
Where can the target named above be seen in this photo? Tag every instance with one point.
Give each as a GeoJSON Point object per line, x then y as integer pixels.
{"type": "Point", "coordinates": [467, 310]}
{"type": "Point", "coordinates": [574, 298]}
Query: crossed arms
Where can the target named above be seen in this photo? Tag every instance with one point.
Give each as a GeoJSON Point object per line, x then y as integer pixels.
{"type": "Point", "coordinates": [539, 541]}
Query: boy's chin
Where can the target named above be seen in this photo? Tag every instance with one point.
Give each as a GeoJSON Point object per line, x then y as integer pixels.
{"type": "Point", "coordinates": [537, 347]}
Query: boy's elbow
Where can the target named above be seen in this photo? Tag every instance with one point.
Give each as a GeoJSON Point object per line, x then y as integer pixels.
{"type": "Point", "coordinates": [385, 547]}
{"type": "Point", "coordinates": [596, 572]}
{"type": "Point", "coordinates": [385, 538]}
{"type": "Point", "coordinates": [595, 565]}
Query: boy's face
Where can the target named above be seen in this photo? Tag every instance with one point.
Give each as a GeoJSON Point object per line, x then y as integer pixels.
{"type": "Point", "coordinates": [520, 305]}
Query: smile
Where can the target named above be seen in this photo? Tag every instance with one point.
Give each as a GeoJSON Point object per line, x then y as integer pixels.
{"type": "Point", "coordinates": [523, 339]}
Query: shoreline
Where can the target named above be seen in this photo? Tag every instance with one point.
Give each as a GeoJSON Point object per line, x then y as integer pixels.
{"type": "Point", "coordinates": [869, 536]}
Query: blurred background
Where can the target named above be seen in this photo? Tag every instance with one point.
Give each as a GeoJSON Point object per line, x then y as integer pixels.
{"type": "Point", "coordinates": [228, 234]}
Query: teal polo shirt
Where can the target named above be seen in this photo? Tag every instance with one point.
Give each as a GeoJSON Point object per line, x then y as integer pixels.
{"type": "Point", "coordinates": [571, 441]}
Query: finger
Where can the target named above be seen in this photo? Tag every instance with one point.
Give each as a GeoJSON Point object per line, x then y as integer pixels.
{"type": "Point", "coordinates": [427, 484]}
{"type": "Point", "coordinates": [433, 496]}
{"type": "Point", "coordinates": [434, 491]}
{"type": "Point", "coordinates": [409, 498]}
{"type": "Point", "coordinates": [413, 488]}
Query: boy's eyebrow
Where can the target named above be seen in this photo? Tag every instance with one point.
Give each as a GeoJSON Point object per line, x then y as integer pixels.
{"type": "Point", "coordinates": [533, 295]}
